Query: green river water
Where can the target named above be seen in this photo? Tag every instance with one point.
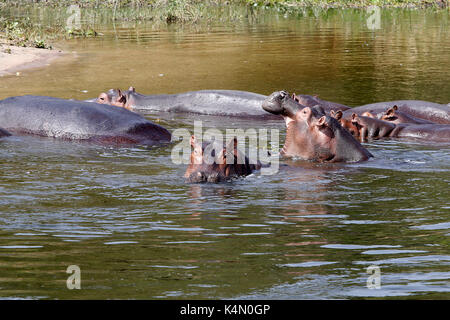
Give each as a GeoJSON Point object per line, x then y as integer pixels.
{"type": "Point", "coordinates": [127, 218]}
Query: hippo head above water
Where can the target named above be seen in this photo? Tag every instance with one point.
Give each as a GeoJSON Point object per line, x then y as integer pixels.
{"type": "Point", "coordinates": [313, 135]}
{"type": "Point", "coordinates": [116, 97]}
{"type": "Point", "coordinates": [394, 115]}
{"type": "Point", "coordinates": [210, 161]}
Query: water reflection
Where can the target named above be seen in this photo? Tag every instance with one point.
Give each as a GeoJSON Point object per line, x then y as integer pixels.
{"type": "Point", "coordinates": [129, 220]}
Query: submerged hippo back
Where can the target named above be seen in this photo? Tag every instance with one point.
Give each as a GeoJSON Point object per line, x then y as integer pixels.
{"type": "Point", "coordinates": [207, 102]}
{"type": "Point", "coordinates": [426, 132]}
{"type": "Point", "coordinates": [69, 119]}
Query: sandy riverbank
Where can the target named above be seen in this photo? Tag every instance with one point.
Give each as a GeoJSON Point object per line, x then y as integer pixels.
{"type": "Point", "coordinates": [14, 59]}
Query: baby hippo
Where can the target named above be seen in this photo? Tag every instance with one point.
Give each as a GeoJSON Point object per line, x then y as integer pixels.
{"type": "Point", "coordinates": [212, 162]}
{"type": "Point", "coordinates": [364, 127]}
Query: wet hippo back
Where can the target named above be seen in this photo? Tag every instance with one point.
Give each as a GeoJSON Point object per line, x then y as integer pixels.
{"type": "Point", "coordinates": [311, 101]}
{"type": "Point", "coordinates": [435, 112]}
{"type": "Point", "coordinates": [77, 120]}
{"type": "Point", "coordinates": [424, 132]}
{"type": "Point", "coordinates": [208, 102]}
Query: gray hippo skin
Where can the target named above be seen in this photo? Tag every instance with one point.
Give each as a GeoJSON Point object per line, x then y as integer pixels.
{"type": "Point", "coordinates": [364, 128]}
{"type": "Point", "coordinates": [78, 120]}
{"type": "Point", "coordinates": [430, 111]}
{"type": "Point", "coordinates": [425, 132]}
{"type": "Point", "coordinates": [4, 133]}
{"type": "Point", "coordinates": [207, 102]}
{"type": "Point", "coordinates": [230, 103]}
{"type": "Point", "coordinates": [312, 101]}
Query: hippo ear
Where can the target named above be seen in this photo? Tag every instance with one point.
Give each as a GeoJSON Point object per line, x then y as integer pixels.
{"type": "Point", "coordinates": [231, 147]}
{"type": "Point", "coordinates": [121, 98]}
{"type": "Point", "coordinates": [338, 114]}
{"type": "Point", "coordinates": [322, 121]}
{"type": "Point", "coordinates": [132, 89]}
{"type": "Point", "coordinates": [391, 111]}
{"type": "Point", "coordinates": [231, 152]}
{"type": "Point", "coordinates": [354, 117]}
{"type": "Point", "coordinates": [193, 141]}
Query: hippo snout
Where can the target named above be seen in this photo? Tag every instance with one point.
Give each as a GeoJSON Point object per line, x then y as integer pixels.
{"type": "Point", "coordinates": [273, 103]}
{"type": "Point", "coordinates": [201, 177]}
{"type": "Point", "coordinates": [281, 103]}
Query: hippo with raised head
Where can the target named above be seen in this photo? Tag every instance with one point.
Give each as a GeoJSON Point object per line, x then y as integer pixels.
{"type": "Point", "coordinates": [78, 120]}
{"type": "Point", "coordinates": [424, 110]}
{"type": "Point", "coordinates": [312, 135]}
{"type": "Point", "coordinates": [210, 161]}
{"type": "Point", "coordinates": [4, 133]}
{"type": "Point", "coordinates": [364, 128]}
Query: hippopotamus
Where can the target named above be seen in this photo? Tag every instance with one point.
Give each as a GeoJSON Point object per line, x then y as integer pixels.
{"type": "Point", "coordinates": [311, 101]}
{"type": "Point", "coordinates": [424, 110]}
{"type": "Point", "coordinates": [363, 128]}
{"type": "Point", "coordinates": [78, 120]}
{"type": "Point", "coordinates": [210, 161]}
{"type": "Point", "coordinates": [424, 132]}
{"type": "Point", "coordinates": [208, 102]}
{"type": "Point", "coordinates": [4, 133]}
{"type": "Point", "coordinates": [313, 135]}
{"type": "Point", "coordinates": [395, 116]}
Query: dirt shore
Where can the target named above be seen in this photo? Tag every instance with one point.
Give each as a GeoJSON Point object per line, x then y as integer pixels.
{"type": "Point", "coordinates": [14, 59]}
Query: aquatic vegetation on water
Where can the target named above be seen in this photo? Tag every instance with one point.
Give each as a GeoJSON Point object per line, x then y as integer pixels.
{"type": "Point", "coordinates": [22, 33]}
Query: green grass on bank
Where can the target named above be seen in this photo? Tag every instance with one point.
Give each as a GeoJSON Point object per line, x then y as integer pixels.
{"type": "Point", "coordinates": [22, 31]}
{"type": "Point", "coordinates": [270, 3]}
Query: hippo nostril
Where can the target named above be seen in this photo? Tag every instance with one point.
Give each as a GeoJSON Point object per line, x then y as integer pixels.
{"type": "Point", "coordinates": [196, 177]}
{"type": "Point", "coordinates": [201, 177]}
{"type": "Point", "coordinates": [213, 178]}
